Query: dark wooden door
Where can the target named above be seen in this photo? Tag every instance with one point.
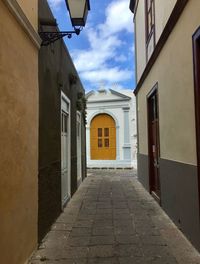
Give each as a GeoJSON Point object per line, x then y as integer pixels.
{"type": "Point", "coordinates": [154, 146]}
{"type": "Point", "coordinates": [196, 60]}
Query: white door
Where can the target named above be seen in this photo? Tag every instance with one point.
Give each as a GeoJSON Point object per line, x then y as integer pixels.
{"type": "Point", "coordinates": [65, 149]}
{"type": "Point", "coordinates": [79, 164]}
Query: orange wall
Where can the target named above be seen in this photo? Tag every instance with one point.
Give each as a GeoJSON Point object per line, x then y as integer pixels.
{"type": "Point", "coordinates": [30, 8]}
{"type": "Point", "coordinates": [18, 141]}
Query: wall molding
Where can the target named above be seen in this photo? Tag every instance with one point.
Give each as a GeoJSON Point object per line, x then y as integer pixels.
{"type": "Point", "coordinates": [19, 15]}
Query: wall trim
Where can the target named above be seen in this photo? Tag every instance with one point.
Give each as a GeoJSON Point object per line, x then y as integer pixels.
{"type": "Point", "coordinates": [19, 15]}
{"type": "Point", "coordinates": [109, 100]}
{"type": "Point", "coordinates": [103, 111]}
{"type": "Point", "coordinates": [196, 68]}
{"type": "Point", "coordinates": [173, 19]}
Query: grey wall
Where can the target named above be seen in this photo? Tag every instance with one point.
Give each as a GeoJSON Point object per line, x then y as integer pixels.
{"type": "Point", "coordinates": [143, 169]}
{"type": "Point", "coordinates": [179, 197]}
{"type": "Point", "coordinates": [179, 194]}
{"type": "Point", "coordinates": [55, 66]}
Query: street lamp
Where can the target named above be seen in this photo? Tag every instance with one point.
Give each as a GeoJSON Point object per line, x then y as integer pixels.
{"type": "Point", "coordinates": [78, 10]}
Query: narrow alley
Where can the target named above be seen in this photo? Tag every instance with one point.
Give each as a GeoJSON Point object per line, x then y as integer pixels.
{"type": "Point", "coordinates": [112, 219]}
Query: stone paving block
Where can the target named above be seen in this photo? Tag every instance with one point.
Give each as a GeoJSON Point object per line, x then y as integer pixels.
{"type": "Point", "coordinates": [103, 223]}
{"type": "Point", "coordinates": [156, 251]}
{"type": "Point", "coordinates": [123, 216]}
{"type": "Point", "coordinates": [83, 223]}
{"type": "Point", "coordinates": [83, 241]}
{"type": "Point", "coordinates": [127, 239]}
{"type": "Point", "coordinates": [56, 239]}
{"type": "Point", "coordinates": [61, 227]}
{"type": "Point", "coordinates": [68, 261]}
{"type": "Point", "coordinates": [112, 219]}
{"type": "Point", "coordinates": [101, 205]}
{"type": "Point", "coordinates": [102, 240]}
{"type": "Point", "coordinates": [120, 211]}
{"type": "Point", "coordinates": [87, 211]}
{"type": "Point", "coordinates": [128, 251]}
{"type": "Point", "coordinates": [61, 253]}
{"type": "Point", "coordinates": [147, 231]}
{"type": "Point", "coordinates": [124, 230]}
{"type": "Point", "coordinates": [65, 218]}
{"type": "Point", "coordinates": [85, 217]}
{"type": "Point", "coordinates": [111, 260]}
{"type": "Point", "coordinates": [103, 231]}
{"type": "Point", "coordinates": [123, 222]}
{"type": "Point", "coordinates": [104, 200]}
{"type": "Point", "coordinates": [80, 231]}
{"type": "Point", "coordinates": [103, 251]}
{"type": "Point", "coordinates": [104, 211]}
{"type": "Point", "coordinates": [133, 260]}
{"type": "Point", "coordinates": [104, 217]}
{"type": "Point", "coordinates": [152, 240]}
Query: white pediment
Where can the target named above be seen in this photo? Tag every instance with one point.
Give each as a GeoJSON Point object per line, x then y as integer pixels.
{"type": "Point", "coordinates": [102, 95]}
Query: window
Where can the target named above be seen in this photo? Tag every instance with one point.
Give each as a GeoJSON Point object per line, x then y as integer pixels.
{"type": "Point", "coordinates": [106, 142]}
{"type": "Point", "coordinates": [64, 122]}
{"type": "Point", "coordinates": [106, 132]}
{"type": "Point", "coordinates": [150, 19]}
{"type": "Point", "coordinates": [99, 132]}
{"type": "Point", "coordinates": [78, 129]}
{"type": "Point", "coordinates": [78, 126]}
{"type": "Point", "coordinates": [100, 143]}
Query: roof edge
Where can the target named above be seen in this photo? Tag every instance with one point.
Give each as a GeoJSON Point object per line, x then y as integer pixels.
{"type": "Point", "coordinates": [132, 5]}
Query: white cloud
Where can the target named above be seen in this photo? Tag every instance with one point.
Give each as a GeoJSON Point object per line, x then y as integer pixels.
{"type": "Point", "coordinates": [105, 43]}
{"type": "Point", "coordinates": [121, 58]}
{"type": "Point", "coordinates": [118, 18]}
{"type": "Point", "coordinates": [111, 75]}
{"type": "Point", "coordinates": [100, 52]}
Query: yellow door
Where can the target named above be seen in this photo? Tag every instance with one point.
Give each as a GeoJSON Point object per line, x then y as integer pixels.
{"type": "Point", "coordinates": [103, 138]}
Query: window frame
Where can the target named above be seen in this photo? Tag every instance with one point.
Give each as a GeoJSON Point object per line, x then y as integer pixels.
{"type": "Point", "coordinates": [149, 32]}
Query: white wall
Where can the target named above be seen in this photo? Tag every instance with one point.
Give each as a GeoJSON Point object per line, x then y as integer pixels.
{"type": "Point", "coordinates": [115, 109]}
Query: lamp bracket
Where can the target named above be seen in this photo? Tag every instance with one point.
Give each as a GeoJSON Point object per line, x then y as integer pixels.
{"type": "Point", "coordinates": [49, 37]}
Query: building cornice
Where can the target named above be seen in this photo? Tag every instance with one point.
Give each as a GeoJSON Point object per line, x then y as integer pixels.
{"type": "Point", "coordinates": [19, 15]}
{"type": "Point", "coordinates": [132, 5]}
{"type": "Point", "coordinates": [108, 100]}
{"type": "Point", "coordinates": [173, 19]}
{"type": "Point", "coordinates": [108, 106]}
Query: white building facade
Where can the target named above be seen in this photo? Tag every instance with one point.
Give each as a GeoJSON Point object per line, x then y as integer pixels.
{"type": "Point", "coordinates": [119, 107]}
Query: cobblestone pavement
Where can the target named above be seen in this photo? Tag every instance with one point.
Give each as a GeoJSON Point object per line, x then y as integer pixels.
{"type": "Point", "coordinates": [112, 220]}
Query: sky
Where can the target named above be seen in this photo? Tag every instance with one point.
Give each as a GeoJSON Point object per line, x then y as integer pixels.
{"type": "Point", "coordinates": [103, 53]}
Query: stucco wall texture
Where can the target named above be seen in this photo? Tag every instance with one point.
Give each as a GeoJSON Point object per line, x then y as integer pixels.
{"type": "Point", "coordinates": [18, 141]}
{"type": "Point", "coordinates": [163, 10]}
{"type": "Point", "coordinates": [30, 8]}
{"type": "Point", "coordinates": [55, 66]}
{"type": "Point", "coordinates": [176, 92]}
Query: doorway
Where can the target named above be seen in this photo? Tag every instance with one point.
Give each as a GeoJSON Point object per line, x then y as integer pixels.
{"type": "Point", "coordinates": [154, 143]}
{"type": "Point", "coordinates": [196, 63]}
{"type": "Point", "coordinates": [65, 150]}
{"type": "Point", "coordinates": [103, 138]}
{"type": "Point", "coordinates": [79, 147]}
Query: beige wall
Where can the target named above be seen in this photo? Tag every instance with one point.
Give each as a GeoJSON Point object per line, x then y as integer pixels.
{"type": "Point", "coordinates": [163, 11]}
{"type": "Point", "coordinates": [18, 141]}
{"type": "Point", "coordinates": [140, 40]}
{"type": "Point", "coordinates": [174, 72]}
{"type": "Point", "coordinates": [30, 8]}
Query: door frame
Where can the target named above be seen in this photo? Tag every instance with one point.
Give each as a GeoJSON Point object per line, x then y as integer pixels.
{"type": "Point", "coordinates": [103, 137]}
{"type": "Point", "coordinates": [196, 73]}
{"type": "Point", "coordinates": [79, 180]}
{"type": "Point", "coordinates": [153, 91]}
{"type": "Point", "coordinates": [67, 100]}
